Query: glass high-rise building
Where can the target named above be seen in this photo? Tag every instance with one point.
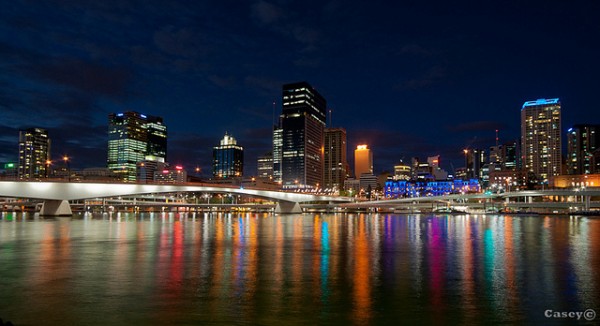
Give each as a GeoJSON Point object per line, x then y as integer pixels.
{"type": "Point", "coordinates": [34, 154]}
{"type": "Point", "coordinates": [474, 161]}
{"type": "Point", "coordinates": [132, 138]}
{"type": "Point", "coordinates": [541, 138]}
{"type": "Point", "coordinates": [303, 121]}
{"type": "Point", "coordinates": [505, 156]}
{"type": "Point", "coordinates": [277, 154]}
{"type": "Point", "coordinates": [228, 158]}
{"type": "Point", "coordinates": [582, 141]}
{"type": "Point", "coordinates": [335, 159]}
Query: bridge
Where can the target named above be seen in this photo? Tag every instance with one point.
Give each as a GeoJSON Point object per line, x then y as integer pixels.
{"type": "Point", "coordinates": [56, 195]}
{"type": "Point", "coordinates": [582, 199]}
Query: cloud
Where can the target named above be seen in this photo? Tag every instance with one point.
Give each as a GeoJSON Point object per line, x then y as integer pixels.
{"type": "Point", "coordinates": [88, 77]}
{"type": "Point", "coordinates": [432, 76]}
{"type": "Point", "coordinates": [184, 42]}
{"type": "Point", "coordinates": [415, 49]}
{"type": "Point", "coordinates": [265, 84]}
{"type": "Point", "coordinates": [266, 13]}
{"type": "Point", "coordinates": [228, 82]}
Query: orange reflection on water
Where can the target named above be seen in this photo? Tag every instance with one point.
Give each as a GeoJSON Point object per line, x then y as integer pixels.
{"type": "Point", "coordinates": [316, 258]}
{"type": "Point", "coordinates": [362, 282]}
{"type": "Point", "coordinates": [54, 265]}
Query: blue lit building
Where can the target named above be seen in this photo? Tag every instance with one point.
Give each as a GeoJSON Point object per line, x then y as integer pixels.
{"type": "Point", "coordinates": [407, 189]}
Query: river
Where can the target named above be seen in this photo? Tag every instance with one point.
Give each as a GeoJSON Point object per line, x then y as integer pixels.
{"type": "Point", "coordinates": [247, 269]}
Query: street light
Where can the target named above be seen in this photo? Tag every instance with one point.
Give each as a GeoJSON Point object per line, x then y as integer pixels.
{"type": "Point", "coordinates": [66, 159]}
{"type": "Point", "coordinates": [48, 162]}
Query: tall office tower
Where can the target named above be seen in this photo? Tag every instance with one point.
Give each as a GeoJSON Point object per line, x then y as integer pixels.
{"type": "Point", "coordinates": [504, 156]}
{"type": "Point", "coordinates": [582, 141]}
{"type": "Point", "coordinates": [34, 153]}
{"type": "Point", "coordinates": [541, 138]}
{"type": "Point", "coordinates": [228, 158]}
{"type": "Point", "coordinates": [510, 155]}
{"type": "Point", "coordinates": [335, 158]}
{"type": "Point", "coordinates": [474, 161]}
{"type": "Point", "coordinates": [363, 161]}
{"type": "Point", "coordinates": [265, 166]}
{"type": "Point", "coordinates": [496, 154]}
{"type": "Point", "coordinates": [134, 137]}
{"type": "Point", "coordinates": [303, 120]}
{"type": "Point", "coordinates": [157, 139]}
{"type": "Point", "coordinates": [277, 153]}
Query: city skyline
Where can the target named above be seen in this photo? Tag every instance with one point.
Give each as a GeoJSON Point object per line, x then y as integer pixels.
{"type": "Point", "coordinates": [406, 79]}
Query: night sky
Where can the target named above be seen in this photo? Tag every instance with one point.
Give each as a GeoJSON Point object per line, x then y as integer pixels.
{"type": "Point", "coordinates": [409, 78]}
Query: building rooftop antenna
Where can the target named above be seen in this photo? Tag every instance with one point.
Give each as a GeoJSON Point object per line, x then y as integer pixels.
{"type": "Point", "coordinates": [496, 137]}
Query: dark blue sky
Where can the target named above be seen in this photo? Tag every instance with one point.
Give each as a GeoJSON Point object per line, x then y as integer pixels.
{"type": "Point", "coordinates": [410, 78]}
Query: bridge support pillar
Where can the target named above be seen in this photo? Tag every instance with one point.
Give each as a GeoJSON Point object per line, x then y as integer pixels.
{"type": "Point", "coordinates": [56, 208]}
{"type": "Point", "coordinates": [587, 203]}
{"type": "Point", "coordinates": [286, 207]}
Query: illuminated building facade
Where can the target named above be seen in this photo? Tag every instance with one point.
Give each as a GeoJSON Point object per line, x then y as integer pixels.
{"type": "Point", "coordinates": [34, 154]}
{"type": "Point", "coordinates": [265, 166]}
{"type": "Point", "coordinates": [582, 142]}
{"type": "Point", "coordinates": [170, 175]}
{"type": "Point", "coordinates": [228, 158]}
{"type": "Point", "coordinates": [416, 188]}
{"type": "Point", "coordinates": [303, 121]}
{"type": "Point", "coordinates": [363, 161]}
{"type": "Point", "coordinates": [132, 138]}
{"type": "Point", "coordinates": [277, 153]}
{"type": "Point", "coordinates": [541, 138]}
{"type": "Point", "coordinates": [147, 168]}
{"type": "Point", "coordinates": [402, 171]}
{"type": "Point", "coordinates": [335, 158]}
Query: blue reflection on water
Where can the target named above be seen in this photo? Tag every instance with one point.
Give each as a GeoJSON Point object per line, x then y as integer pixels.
{"type": "Point", "coordinates": [324, 261]}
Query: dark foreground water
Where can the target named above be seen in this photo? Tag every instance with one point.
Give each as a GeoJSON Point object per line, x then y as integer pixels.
{"type": "Point", "coordinates": [221, 269]}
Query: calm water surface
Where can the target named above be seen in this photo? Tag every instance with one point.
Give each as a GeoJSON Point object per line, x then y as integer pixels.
{"type": "Point", "coordinates": [251, 269]}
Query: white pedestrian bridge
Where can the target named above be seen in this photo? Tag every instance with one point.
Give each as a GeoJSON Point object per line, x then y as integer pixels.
{"type": "Point", "coordinates": [56, 195]}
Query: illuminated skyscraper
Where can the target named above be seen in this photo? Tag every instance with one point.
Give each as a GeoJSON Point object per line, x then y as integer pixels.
{"type": "Point", "coordinates": [303, 120]}
{"type": "Point", "coordinates": [228, 158]}
{"type": "Point", "coordinates": [134, 137]}
{"type": "Point", "coordinates": [277, 153]}
{"type": "Point", "coordinates": [363, 161]}
{"type": "Point", "coordinates": [264, 166]}
{"type": "Point", "coordinates": [34, 153]}
{"type": "Point", "coordinates": [582, 141]}
{"type": "Point", "coordinates": [541, 138]}
{"type": "Point", "coordinates": [335, 158]}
